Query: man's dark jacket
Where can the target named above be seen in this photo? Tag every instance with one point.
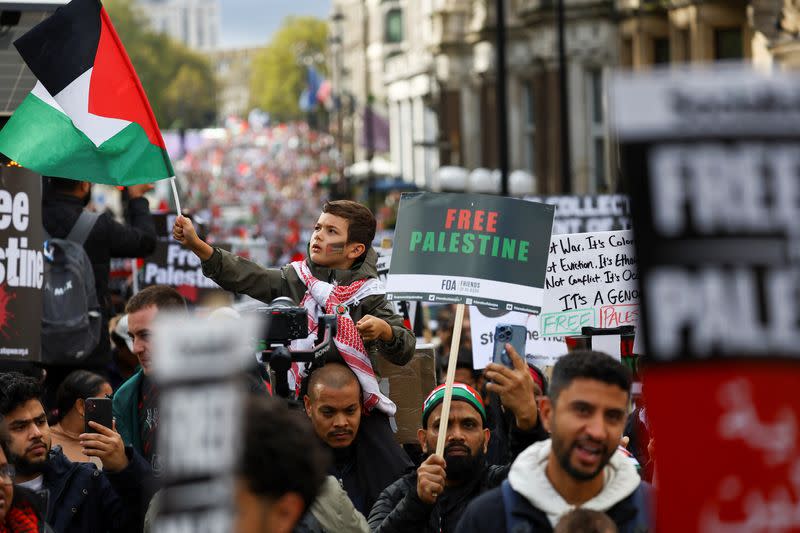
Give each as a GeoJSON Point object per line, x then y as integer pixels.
{"type": "Point", "coordinates": [83, 499]}
{"type": "Point", "coordinates": [372, 463]}
{"type": "Point", "coordinates": [107, 239]}
{"type": "Point", "coordinates": [488, 513]}
{"type": "Point", "coordinates": [399, 509]}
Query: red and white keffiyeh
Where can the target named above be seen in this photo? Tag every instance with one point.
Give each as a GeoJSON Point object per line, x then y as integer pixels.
{"type": "Point", "coordinates": [337, 300]}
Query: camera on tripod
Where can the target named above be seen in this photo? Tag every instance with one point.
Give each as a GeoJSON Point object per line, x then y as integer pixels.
{"type": "Point", "coordinates": [284, 322]}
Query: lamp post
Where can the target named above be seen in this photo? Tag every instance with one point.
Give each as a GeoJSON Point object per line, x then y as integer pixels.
{"type": "Point", "coordinates": [502, 102]}
{"type": "Point", "coordinates": [369, 134]}
{"type": "Point", "coordinates": [563, 89]}
{"type": "Point", "coordinates": [342, 186]}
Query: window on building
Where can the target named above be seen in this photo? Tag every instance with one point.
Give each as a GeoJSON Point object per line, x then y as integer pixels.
{"type": "Point", "coordinates": [598, 143]}
{"type": "Point", "coordinates": [529, 126]}
{"type": "Point", "coordinates": [394, 26]}
{"type": "Point", "coordinates": [661, 55]}
{"type": "Point", "coordinates": [728, 43]}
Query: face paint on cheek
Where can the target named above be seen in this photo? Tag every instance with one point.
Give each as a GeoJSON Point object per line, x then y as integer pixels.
{"type": "Point", "coordinates": [334, 249]}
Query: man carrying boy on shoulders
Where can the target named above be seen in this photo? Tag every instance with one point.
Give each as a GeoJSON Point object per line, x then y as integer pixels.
{"type": "Point", "coordinates": [338, 277]}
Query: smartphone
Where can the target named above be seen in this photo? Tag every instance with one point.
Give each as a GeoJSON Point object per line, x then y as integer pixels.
{"type": "Point", "coordinates": [517, 336]}
{"type": "Point", "coordinates": [97, 410]}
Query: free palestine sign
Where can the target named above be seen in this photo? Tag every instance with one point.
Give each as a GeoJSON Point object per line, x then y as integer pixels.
{"type": "Point", "coordinates": [472, 249]}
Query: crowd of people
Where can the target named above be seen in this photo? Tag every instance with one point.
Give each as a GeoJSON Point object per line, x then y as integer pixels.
{"type": "Point", "coordinates": [523, 450]}
{"type": "Point", "coordinates": [262, 185]}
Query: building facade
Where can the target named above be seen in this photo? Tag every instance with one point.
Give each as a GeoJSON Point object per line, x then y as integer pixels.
{"type": "Point", "coordinates": [233, 68]}
{"type": "Point", "coordinates": [432, 64]}
{"type": "Point", "coordinates": [195, 23]}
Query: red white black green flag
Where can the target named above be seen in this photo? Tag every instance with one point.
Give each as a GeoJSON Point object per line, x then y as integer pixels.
{"type": "Point", "coordinates": [88, 117]}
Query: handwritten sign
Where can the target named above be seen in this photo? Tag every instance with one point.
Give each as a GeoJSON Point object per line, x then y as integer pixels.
{"type": "Point", "coordinates": [471, 249]}
{"type": "Point", "coordinates": [591, 280]}
{"type": "Point", "coordinates": [713, 158]}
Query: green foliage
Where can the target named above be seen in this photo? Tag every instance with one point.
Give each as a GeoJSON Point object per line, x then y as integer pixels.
{"type": "Point", "coordinates": [179, 82]}
{"type": "Point", "coordinates": [279, 74]}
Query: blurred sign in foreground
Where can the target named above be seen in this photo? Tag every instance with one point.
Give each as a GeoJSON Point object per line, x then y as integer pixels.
{"type": "Point", "coordinates": [713, 158]}
{"type": "Point", "coordinates": [198, 365]}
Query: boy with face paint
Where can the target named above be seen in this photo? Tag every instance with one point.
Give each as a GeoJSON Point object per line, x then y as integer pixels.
{"type": "Point", "coordinates": [339, 276]}
{"type": "Point", "coordinates": [339, 253]}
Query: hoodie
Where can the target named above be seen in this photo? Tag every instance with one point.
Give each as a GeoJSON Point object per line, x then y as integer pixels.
{"type": "Point", "coordinates": [528, 477]}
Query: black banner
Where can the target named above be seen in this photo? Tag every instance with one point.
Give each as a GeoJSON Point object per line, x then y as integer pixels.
{"type": "Point", "coordinates": [716, 197]}
{"type": "Point", "coordinates": [21, 264]}
{"type": "Point", "coordinates": [588, 214]}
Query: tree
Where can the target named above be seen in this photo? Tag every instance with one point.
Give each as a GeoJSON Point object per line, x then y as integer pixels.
{"type": "Point", "coordinates": [279, 71]}
{"type": "Point", "coordinates": [179, 82]}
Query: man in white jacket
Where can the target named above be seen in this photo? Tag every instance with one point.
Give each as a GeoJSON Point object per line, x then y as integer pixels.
{"type": "Point", "coordinates": [579, 466]}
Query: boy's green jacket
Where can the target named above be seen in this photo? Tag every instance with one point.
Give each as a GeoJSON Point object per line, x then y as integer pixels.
{"type": "Point", "coordinates": [236, 274]}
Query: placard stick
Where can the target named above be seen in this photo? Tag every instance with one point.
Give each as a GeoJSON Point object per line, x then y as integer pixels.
{"type": "Point", "coordinates": [175, 195]}
{"type": "Point", "coordinates": [451, 377]}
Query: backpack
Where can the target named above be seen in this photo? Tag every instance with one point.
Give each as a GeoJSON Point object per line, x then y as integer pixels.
{"type": "Point", "coordinates": [71, 318]}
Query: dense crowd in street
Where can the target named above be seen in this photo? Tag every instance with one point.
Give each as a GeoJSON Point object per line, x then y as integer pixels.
{"type": "Point", "coordinates": [521, 448]}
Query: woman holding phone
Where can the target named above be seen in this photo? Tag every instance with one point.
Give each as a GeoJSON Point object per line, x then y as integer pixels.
{"type": "Point", "coordinates": [71, 402]}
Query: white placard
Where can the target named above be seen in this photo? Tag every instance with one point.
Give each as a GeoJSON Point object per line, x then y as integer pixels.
{"type": "Point", "coordinates": [591, 281]}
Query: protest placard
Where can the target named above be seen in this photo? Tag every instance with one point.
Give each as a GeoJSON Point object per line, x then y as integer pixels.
{"type": "Point", "coordinates": [197, 364]}
{"type": "Point", "coordinates": [713, 159]}
{"type": "Point", "coordinates": [410, 311]}
{"type": "Point", "coordinates": [588, 214]}
{"type": "Point", "coordinates": [21, 264]}
{"type": "Point", "coordinates": [471, 249]}
{"type": "Point", "coordinates": [592, 280]}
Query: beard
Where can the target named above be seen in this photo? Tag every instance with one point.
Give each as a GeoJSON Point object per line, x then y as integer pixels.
{"type": "Point", "coordinates": [563, 455]}
{"type": "Point", "coordinates": [28, 468]}
{"type": "Point", "coordinates": [463, 467]}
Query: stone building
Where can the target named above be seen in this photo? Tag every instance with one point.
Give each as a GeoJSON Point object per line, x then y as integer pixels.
{"type": "Point", "coordinates": [432, 66]}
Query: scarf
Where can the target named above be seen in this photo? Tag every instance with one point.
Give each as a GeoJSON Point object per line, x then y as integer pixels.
{"type": "Point", "coordinates": [21, 518]}
{"type": "Point", "coordinates": [332, 299]}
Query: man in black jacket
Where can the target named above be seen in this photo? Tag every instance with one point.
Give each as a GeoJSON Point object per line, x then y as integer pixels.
{"type": "Point", "coordinates": [80, 497]}
{"type": "Point", "coordinates": [63, 203]}
{"type": "Point", "coordinates": [433, 498]}
{"type": "Point", "coordinates": [364, 466]}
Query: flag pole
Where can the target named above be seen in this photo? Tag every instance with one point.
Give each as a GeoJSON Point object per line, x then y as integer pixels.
{"type": "Point", "coordinates": [451, 377]}
{"type": "Point", "coordinates": [175, 195]}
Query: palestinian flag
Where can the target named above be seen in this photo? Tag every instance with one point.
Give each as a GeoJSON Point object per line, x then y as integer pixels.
{"type": "Point", "coordinates": [88, 117]}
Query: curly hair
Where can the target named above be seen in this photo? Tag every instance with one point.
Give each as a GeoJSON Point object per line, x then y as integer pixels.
{"type": "Point", "coordinates": [16, 389]}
